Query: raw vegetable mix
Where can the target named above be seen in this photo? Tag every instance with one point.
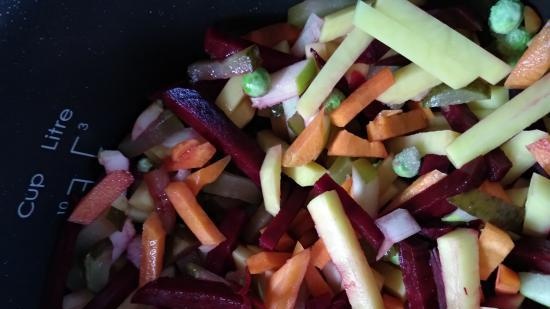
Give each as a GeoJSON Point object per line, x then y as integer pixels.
{"type": "Point", "coordinates": [319, 176]}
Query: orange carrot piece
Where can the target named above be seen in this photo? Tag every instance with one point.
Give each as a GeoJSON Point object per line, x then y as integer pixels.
{"type": "Point", "coordinates": [284, 284]}
{"type": "Point", "coordinates": [419, 185]}
{"type": "Point", "coordinates": [541, 151]}
{"type": "Point", "coordinates": [347, 184]}
{"type": "Point", "coordinates": [534, 62]}
{"type": "Point", "coordinates": [309, 144]}
{"type": "Point", "coordinates": [495, 189]}
{"type": "Point", "coordinates": [391, 302]}
{"type": "Point", "coordinates": [206, 175]}
{"type": "Point", "coordinates": [315, 282]}
{"type": "Point", "coordinates": [507, 281]}
{"type": "Point", "coordinates": [153, 240]}
{"type": "Point", "coordinates": [362, 97]}
{"type": "Point", "coordinates": [346, 144]}
{"type": "Point", "coordinates": [264, 261]}
{"type": "Point", "coordinates": [494, 245]}
{"type": "Point", "coordinates": [285, 243]}
{"type": "Point", "coordinates": [382, 127]}
{"type": "Point", "coordinates": [417, 105]}
{"type": "Point", "coordinates": [273, 34]}
{"type": "Point", "coordinates": [193, 215]}
{"type": "Point", "coordinates": [319, 254]}
{"type": "Point", "coordinates": [189, 154]}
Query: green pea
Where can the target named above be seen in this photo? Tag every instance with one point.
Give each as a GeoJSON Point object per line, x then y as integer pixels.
{"type": "Point", "coordinates": [334, 100]}
{"type": "Point", "coordinates": [505, 16]}
{"type": "Point", "coordinates": [407, 162]}
{"type": "Point", "coordinates": [256, 83]}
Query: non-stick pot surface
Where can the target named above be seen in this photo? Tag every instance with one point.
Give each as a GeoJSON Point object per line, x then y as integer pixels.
{"type": "Point", "coordinates": [73, 77]}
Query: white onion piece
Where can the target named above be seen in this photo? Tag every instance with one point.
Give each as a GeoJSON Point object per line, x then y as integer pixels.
{"type": "Point", "coordinates": [113, 160]}
{"type": "Point", "coordinates": [310, 34]}
{"type": "Point", "coordinates": [121, 239]}
{"type": "Point", "coordinates": [146, 118]}
{"type": "Point", "coordinates": [134, 251]}
{"type": "Point", "coordinates": [181, 175]}
{"type": "Point", "coordinates": [77, 300]}
{"type": "Point", "coordinates": [181, 136]}
{"type": "Point", "coordinates": [396, 226]}
{"type": "Point", "coordinates": [333, 277]}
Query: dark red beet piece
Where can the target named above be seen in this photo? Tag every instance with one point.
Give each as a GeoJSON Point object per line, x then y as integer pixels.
{"type": "Point", "coordinates": [217, 259]}
{"type": "Point", "coordinates": [395, 60]}
{"type": "Point", "coordinates": [414, 259]}
{"type": "Point", "coordinates": [121, 284]}
{"type": "Point", "coordinates": [156, 181]}
{"type": "Point", "coordinates": [340, 301]}
{"type": "Point", "coordinates": [373, 109]}
{"type": "Point", "coordinates": [457, 18]}
{"type": "Point", "coordinates": [360, 220]}
{"type": "Point", "coordinates": [461, 118]}
{"type": "Point", "coordinates": [433, 230]}
{"type": "Point", "coordinates": [530, 254]}
{"type": "Point", "coordinates": [373, 52]}
{"type": "Point", "coordinates": [188, 293]}
{"type": "Point", "coordinates": [213, 125]}
{"type": "Point", "coordinates": [219, 45]}
{"type": "Point", "coordinates": [435, 264]}
{"type": "Point", "coordinates": [320, 302]}
{"type": "Point", "coordinates": [60, 265]}
{"type": "Point", "coordinates": [281, 222]}
{"type": "Point", "coordinates": [432, 203]}
{"type": "Point", "coordinates": [432, 162]}
{"type": "Point", "coordinates": [355, 80]}
{"type": "Point", "coordinates": [504, 301]}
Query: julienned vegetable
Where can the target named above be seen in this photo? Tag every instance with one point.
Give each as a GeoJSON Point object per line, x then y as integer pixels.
{"type": "Point", "coordinates": [203, 211]}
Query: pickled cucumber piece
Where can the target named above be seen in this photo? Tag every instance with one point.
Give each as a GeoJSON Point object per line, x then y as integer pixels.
{"type": "Point", "coordinates": [491, 209]}
{"type": "Point", "coordinates": [444, 95]}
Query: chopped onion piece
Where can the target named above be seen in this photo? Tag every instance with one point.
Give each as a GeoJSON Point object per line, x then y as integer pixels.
{"type": "Point", "coordinates": [310, 34]}
{"type": "Point", "coordinates": [240, 63]}
{"type": "Point", "coordinates": [77, 300]}
{"type": "Point", "coordinates": [146, 118]}
{"type": "Point", "coordinates": [181, 136]}
{"type": "Point", "coordinates": [121, 239]}
{"type": "Point", "coordinates": [113, 160]}
{"type": "Point", "coordinates": [134, 251]}
{"type": "Point", "coordinates": [181, 175]}
{"type": "Point", "coordinates": [396, 226]}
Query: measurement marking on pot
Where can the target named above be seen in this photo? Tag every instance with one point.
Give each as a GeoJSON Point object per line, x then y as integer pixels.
{"type": "Point", "coordinates": [26, 207]}
{"type": "Point", "coordinates": [55, 132]}
{"type": "Point", "coordinates": [85, 183]}
{"type": "Point", "coordinates": [80, 153]}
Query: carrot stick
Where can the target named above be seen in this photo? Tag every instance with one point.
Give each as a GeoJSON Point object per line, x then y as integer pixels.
{"type": "Point", "coordinates": [385, 127]}
{"type": "Point", "coordinates": [541, 151]}
{"type": "Point", "coordinates": [494, 245]}
{"type": "Point", "coordinates": [507, 281]}
{"type": "Point", "coordinates": [189, 154]}
{"type": "Point", "coordinates": [284, 284]}
{"type": "Point", "coordinates": [315, 283]}
{"type": "Point", "coordinates": [192, 214]}
{"type": "Point", "coordinates": [346, 144]}
{"type": "Point", "coordinates": [285, 243]}
{"type": "Point", "coordinates": [264, 261]}
{"type": "Point", "coordinates": [153, 241]}
{"type": "Point", "coordinates": [319, 254]}
{"type": "Point", "coordinates": [271, 35]}
{"type": "Point", "coordinates": [206, 175]}
{"type": "Point", "coordinates": [391, 302]}
{"type": "Point", "coordinates": [495, 189]}
{"type": "Point", "coordinates": [309, 144]}
{"type": "Point", "coordinates": [362, 97]}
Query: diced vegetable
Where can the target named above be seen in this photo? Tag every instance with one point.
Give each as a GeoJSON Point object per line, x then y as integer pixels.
{"type": "Point", "coordinates": [113, 160]}
{"type": "Point", "coordinates": [337, 24]}
{"type": "Point", "coordinates": [287, 83]}
{"type": "Point", "coordinates": [119, 287]}
{"type": "Point", "coordinates": [502, 124]}
{"type": "Point", "coordinates": [505, 301]}
{"type": "Point", "coordinates": [495, 189]}
{"type": "Point", "coordinates": [310, 34]}
{"type": "Point", "coordinates": [270, 177]}
{"type": "Point", "coordinates": [97, 265]}
{"type": "Point", "coordinates": [392, 278]}
{"type": "Point", "coordinates": [309, 144]}
{"type": "Point", "coordinates": [432, 202]}
{"type": "Point", "coordinates": [231, 95]}
{"type": "Point", "coordinates": [362, 97]}
{"type": "Point", "coordinates": [506, 15]}
{"type": "Point", "coordinates": [507, 281]}
{"type": "Point", "coordinates": [347, 144]}
{"type": "Point", "coordinates": [239, 63]}
{"type": "Point", "coordinates": [153, 241]}
{"type": "Point", "coordinates": [101, 197]}
{"type": "Point", "coordinates": [316, 284]}
{"type": "Point", "coordinates": [410, 82]}
{"type": "Point", "coordinates": [414, 259]}
{"type": "Point", "coordinates": [189, 293]}
{"type": "Point", "coordinates": [537, 209]}
{"type": "Point", "coordinates": [407, 162]}
{"type": "Point", "coordinates": [214, 126]}
{"type": "Point", "coordinates": [443, 95]}
{"type": "Point", "coordinates": [433, 142]}
{"type": "Point", "coordinates": [535, 286]}
{"type": "Point", "coordinates": [236, 187]}
{"type": "Point", "coordinates": [541, 151]}
{"type": "Point", "coordinates": [491, 209]}
{"type": "Point", "coordinates": [192, 214]}
{"type": "Point", "coordinates": [533, 64]}
{"type": "Point", "coordinates": [272, 34]}
{"type": "Point", "coordinates": [335, 68]}
{"type": "Point", "coordinates": [189, 154]}
{"type": "Point", "coordinates": [396, 226]}
{"type": "Point", "coordinates": [299, 13]}
{"type": "Point", "coordinates": [121, 239]}
{"type": "Point", "coordinates": [459, 256]}
{"type": "Point", "coordinates": [334, 100]}
{"type": "Point", "coordinates": [360, 220]}
{"type": "Point", "coordinates": [256, 83]}
{"type": "Point", "coordinates": [531, 19]}
{"type": "Point", "coordinates": [365, 186]}
{"type": "Point", "coordinates": [284, 284]}
{"type": "Point", "coordinates": [499, 96]}
{"type": "Point", "coordinates": [264, 261]}
{"type": "Point", "coordinates": [206, 175]}
{"type": "Point", "coordinates": [459, 215]}
{"type": "Point", "coordinates": [494, 245]}
{"type": "Point", "coordinates": [337, 233]}
{"type": "Point", "coordinates": [432, 162]}
{"type": "Point", "coordinates": [156, 181]}
{"type": "Point", "coordinates": [386, 127]}
{"type": "Point", "coordinates": [531, 254]}
{"type": "Point", "coordinates": [516, 150]}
